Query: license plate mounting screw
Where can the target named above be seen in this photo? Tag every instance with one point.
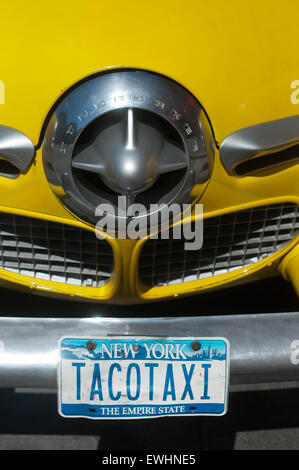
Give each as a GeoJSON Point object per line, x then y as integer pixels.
{"type": "Point", "coordinates": [136, 347]}
{"type": "Point", "coordinates": [196, 346]}
{"type": "Point", "coordinates": [91, 345]}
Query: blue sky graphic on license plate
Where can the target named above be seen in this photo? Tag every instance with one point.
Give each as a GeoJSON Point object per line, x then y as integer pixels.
{"type": "Point", "coordinates": [142, 377]}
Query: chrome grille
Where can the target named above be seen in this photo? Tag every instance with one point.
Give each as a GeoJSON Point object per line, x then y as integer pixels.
{"type": "Point", "coordinates": [230, 241]}
{"type": "Point", "coordinates": [53, 251]}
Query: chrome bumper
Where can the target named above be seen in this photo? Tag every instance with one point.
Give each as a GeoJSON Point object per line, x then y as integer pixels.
{"type": "Point", "coordinates": [260, 343]}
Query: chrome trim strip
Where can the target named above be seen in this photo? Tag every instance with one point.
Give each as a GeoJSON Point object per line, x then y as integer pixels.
{"type": "Point", "coordinates": [261, 139]}
{"type": "Point", "coordinates": [260, 343]}
{"type": "Point", "coordinates": [16, 148]}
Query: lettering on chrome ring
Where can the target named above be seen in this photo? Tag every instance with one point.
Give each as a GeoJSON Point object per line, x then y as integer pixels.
{"type": "Point", "coordinates": [154, 102]}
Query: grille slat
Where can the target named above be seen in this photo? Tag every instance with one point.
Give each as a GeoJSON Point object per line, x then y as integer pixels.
{"type": "Point", "coordinates": [231, 241]}
{"type": "Point", "coordinates": [53, 251]}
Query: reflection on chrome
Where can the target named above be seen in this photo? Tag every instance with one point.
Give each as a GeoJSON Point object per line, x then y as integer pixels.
{"type": "Point", "coordinates": [27, 360]}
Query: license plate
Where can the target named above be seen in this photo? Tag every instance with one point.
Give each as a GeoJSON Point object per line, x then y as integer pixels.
{"type": "Point", "coordinates": [142, 377]}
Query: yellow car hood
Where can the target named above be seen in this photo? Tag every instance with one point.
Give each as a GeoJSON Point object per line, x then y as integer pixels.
{"type": "Point", "coordinates": [238, 58]}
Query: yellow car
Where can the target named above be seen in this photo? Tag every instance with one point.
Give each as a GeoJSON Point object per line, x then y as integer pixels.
{"type": "Point", "coordinates": [124, 104]}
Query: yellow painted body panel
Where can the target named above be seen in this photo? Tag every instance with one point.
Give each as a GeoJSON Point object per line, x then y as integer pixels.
{"type": "Point", "coordinates": [239, 60]}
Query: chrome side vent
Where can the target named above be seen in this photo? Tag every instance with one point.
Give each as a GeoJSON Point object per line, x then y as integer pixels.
{"type": "Point", "coordinates": [273, 161]}
{"type": "Point", "coordinates": [230, 241]}
{"type": "Point", "coordinates": [17, 150]}
{"type": "Point", "coordinates": [54, 252]}
{"type": "Point", "coordinates": [8, 170]}
{"type": "Point", "coordinates": [265, 146]}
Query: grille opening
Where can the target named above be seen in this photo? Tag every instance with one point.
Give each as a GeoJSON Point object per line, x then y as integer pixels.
{"type": "Point", "coordinates": [8, 170]}
{"type": "Point", "coordinates": [52, 251]}
{"type": "Point", "coordinates": [274, 161]}
{"type": "Point", "coordinates": [230, 241]}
